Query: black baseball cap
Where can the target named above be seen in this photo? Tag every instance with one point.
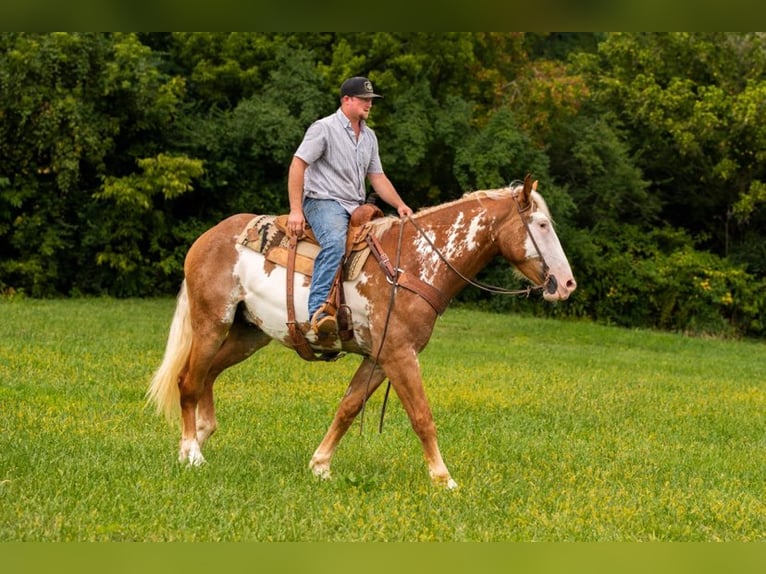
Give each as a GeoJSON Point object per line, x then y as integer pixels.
{"type": "Point", "coordinates": [358, 87]}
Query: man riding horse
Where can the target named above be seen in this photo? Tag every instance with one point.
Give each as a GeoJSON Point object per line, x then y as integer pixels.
{"type": "Point", "coordinates": [326, 183]}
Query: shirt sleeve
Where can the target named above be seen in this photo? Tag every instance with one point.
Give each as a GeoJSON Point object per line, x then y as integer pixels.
{"type": "Point", "coordinates": [313, 145]}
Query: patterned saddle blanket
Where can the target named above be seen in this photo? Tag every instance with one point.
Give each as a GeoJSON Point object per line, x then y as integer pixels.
{"type": "Point", "coordinates": [267, 234]}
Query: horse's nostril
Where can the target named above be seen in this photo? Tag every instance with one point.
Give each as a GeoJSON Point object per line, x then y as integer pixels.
{"type": "Point", "coordinates": [553, 285]}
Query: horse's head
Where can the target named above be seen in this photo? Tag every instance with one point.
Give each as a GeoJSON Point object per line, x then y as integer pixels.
{"type": "Point", "coordinates": [539, 256]}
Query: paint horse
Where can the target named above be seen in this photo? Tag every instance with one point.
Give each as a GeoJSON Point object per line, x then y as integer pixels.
{"type": "Point", "coordinates": [232, 302]}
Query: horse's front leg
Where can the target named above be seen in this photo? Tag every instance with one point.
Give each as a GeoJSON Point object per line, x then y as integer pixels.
{"type": "Point", "coordinates": [364, 382]}
{"type": "Point", "coordinates": [404, 372]}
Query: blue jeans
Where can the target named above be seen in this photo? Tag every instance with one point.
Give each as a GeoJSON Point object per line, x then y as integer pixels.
{"type": "Point", "coordinates": [329, 222]}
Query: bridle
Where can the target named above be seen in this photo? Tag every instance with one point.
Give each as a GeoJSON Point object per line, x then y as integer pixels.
{"type": "Point", "coordinates": [549, 281]}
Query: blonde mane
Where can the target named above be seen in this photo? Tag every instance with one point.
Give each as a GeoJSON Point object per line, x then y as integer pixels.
{"type": "Point", "coordinates": [478, 194]}
{"type": "Point", "coordinates": [382, 224]}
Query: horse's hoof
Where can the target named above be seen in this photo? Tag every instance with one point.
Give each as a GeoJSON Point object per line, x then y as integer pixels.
{"type": "Point", "coordinates": [445, 481]}
{"type": "Point", "coordinates": [192, 462]}
{"type": "Point", "coordinates": [321, 471]}
{"type": "Point", "coordinates": [191, 455]}
{"type": "Point", "coordinates": [197, 460]}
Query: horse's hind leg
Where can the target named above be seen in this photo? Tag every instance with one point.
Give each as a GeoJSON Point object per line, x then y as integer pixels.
{"type": "Point", "coordinates": [364, 382]}
{"type": "Point", "coordinates": [191, 385]}
{"type": "Point", "coordinates": [242, 341]}
{"type": "Point", "coordinates": [214, 293]}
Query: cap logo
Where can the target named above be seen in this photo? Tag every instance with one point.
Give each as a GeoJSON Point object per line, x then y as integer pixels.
{"type": "Point", "coordinates": [368, 86]}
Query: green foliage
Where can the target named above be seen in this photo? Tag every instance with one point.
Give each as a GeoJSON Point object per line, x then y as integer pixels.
{"type": "Point", "coordinates": [749, 202]}
{"type": "Point", "coordinates": [78, 109]}
{"type": "Point", "coordinates": [118, 149]}
{"type": "Point", "coordinates": [658, 280]}
{"type": "Point", "coordinates": [688, 103]}
{"type": "Point", "coordinates": [130, 252]}
{"type": "Point", "coordinates": [602, 181]}
{"type": "Point", "coordinates": [491, 158]}
{"type": "Point", "coordinates": [163, 175]}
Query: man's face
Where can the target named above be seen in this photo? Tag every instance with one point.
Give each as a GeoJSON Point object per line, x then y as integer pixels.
{"type": "Point", "coordinates": [359, 107]}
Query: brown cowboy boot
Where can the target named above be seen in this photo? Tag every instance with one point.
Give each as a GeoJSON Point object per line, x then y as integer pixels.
{"type": "Point", "coordinates": [324, 324]}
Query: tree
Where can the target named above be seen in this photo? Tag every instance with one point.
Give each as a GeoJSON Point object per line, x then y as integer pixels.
{"type": "Point", "coordinates": [76, 109]}
{"type": "Point", "coordinates": [688, 104]}
{"type": "Point", "coordinates": [118, 150]}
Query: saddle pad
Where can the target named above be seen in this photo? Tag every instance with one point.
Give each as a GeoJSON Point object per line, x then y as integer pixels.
{"type": "Point", "coordinates": [263, 235]}
{"type": "Point", "coordinates": [304, 262]}
{"type": "Point", "coordinates": [260, 234]}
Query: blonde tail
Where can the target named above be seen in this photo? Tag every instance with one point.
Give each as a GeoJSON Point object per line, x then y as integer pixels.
{"type": "Point", "coordinates": [163, 390]}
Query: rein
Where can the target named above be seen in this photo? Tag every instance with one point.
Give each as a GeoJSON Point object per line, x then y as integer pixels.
{"type": "Point", "coordinates": [394, 285]}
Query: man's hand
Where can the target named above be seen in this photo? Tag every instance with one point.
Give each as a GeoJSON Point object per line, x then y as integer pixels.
{"type": "Point", "coordinates": [404, 210]}
{"type": "Point", "coordinates": [296, 222]}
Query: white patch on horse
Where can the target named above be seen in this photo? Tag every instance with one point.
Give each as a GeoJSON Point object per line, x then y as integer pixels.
{"type": "Point", "coordinates": [429, 259]}
{"type": "Point", "coordinates": [454, 246]}
{"type": "Point", "coordinates": [265, 293]}
{"type": "Point", "coordinates": [552, 250]}
{"type": "Point", "coordinates": [361, 306]}
{"type": "Point", "coordinates": [473, 230]}
{"type": "Point", "coordinates": [541, 236]}
{"type": "Point", "coordinates": [460, 238]}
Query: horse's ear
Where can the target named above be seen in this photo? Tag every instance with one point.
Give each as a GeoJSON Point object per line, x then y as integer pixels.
{"type": "Point", "coordinates": [534, 185]}
{"type": "Point", "coordinates": [528, 186]}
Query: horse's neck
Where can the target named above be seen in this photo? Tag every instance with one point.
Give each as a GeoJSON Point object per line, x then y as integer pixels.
{"type": "Point", "coordinates": [460, 236]}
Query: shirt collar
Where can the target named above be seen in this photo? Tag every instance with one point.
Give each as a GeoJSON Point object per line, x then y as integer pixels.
{"type": "Point", "coordinates": [346, 123]}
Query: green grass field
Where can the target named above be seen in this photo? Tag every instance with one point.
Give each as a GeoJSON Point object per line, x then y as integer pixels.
{"type": "Point", "coordinates": [555, 431]}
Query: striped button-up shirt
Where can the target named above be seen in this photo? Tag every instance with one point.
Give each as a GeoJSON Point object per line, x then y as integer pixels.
{"type": "Point", "coordinates": [338, 162]}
